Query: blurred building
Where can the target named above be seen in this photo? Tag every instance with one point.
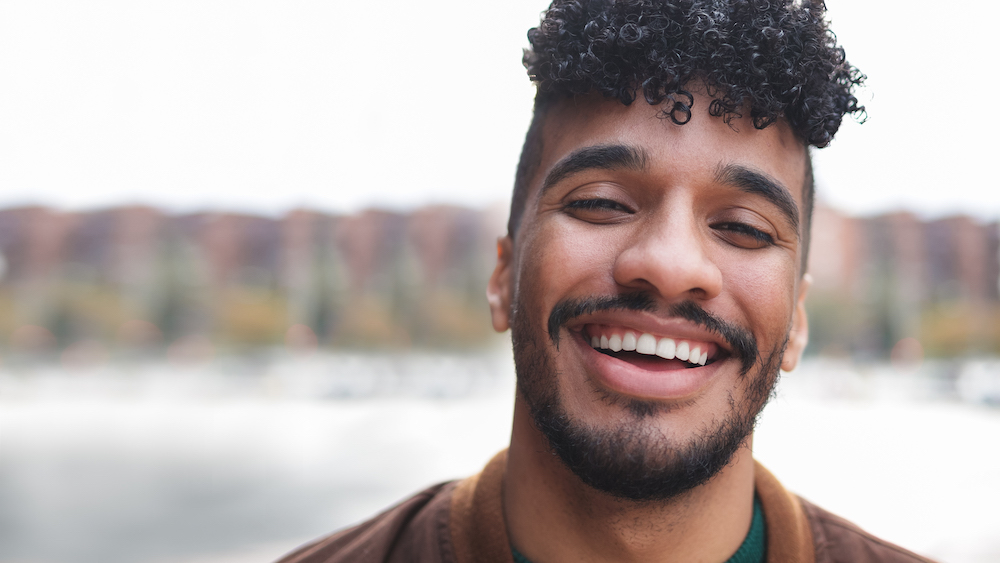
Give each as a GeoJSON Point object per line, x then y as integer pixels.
{"type": "Point", "coordinates": [135, 280]}
{"type": "Point", "coordinates": [882, 279]}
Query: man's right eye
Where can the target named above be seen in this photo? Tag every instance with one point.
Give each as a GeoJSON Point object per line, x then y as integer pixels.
{"type": "Point", "coordinates": [596, 210]}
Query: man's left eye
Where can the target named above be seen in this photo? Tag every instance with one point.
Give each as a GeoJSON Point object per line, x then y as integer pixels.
{"type": "Point", "coordinates": [743, 235]}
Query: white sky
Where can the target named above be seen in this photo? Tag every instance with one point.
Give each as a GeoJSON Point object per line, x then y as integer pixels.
{"type": "Point", "coordinates": [262, 105]}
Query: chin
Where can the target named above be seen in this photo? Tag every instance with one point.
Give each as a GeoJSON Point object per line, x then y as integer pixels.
{"type": "Point", "coordinates": [626, 453]}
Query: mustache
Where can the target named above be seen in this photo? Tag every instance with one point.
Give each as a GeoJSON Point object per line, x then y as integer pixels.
{"type": "Point", "coordinates": [739, 340]}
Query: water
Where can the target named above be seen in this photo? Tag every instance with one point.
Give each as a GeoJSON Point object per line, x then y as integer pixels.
{"type": "Point", "coordinates": [244, 461]}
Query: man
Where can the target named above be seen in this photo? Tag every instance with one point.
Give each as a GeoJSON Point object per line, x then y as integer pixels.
{"type": "Point", "coordinates": [653, 281]}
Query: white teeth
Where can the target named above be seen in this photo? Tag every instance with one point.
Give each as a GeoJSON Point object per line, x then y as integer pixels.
{"type": "Point", "coordinates": [646, 344]}
{"type": "Point", "coordinates": [665, 348]}
{"type": "Point", "coordinates": [615, 343]}
{"type": "Point", "coordinates": [628, 341]}
{"type": "Point", "coordinates": [683, 353]}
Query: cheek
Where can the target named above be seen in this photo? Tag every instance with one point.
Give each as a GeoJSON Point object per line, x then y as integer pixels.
{"type": "Point", "coordinates": [765, 291]}
{"type": "Point", "coordinates": [557, 262]}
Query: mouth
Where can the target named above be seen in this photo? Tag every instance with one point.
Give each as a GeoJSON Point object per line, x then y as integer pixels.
{"type": "Point", "coordinates": [649, 351]}
{"type": "Point", "coordinates": [674, 365]}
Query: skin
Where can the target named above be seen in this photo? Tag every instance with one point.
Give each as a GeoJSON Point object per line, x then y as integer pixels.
{"type": "Point", "coordinates": [676, 230]}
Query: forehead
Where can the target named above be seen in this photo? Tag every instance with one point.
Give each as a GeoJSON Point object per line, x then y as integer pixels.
{"type": "Point", "coordinates": [689, 153]}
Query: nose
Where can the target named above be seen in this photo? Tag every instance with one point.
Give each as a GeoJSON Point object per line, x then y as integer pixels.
{"type": "Point", "coordinates": [668, 255]}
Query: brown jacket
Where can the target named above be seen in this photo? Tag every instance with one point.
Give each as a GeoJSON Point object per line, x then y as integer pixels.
{"type": "Point", "coordinates": [462, 522]}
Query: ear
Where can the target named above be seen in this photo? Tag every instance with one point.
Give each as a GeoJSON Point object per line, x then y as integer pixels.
{"type": "Point", "coordinates": [498, 290]}
{"type": "Point", "coordinates": [798, 336]}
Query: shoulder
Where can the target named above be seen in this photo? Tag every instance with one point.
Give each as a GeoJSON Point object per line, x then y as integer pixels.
{"type": "Point", "coordinates": [416, 529]}
{"type": "Point", "coordinates": [838, 540]}
{"type": "Point", "coordinates": [798, 530]}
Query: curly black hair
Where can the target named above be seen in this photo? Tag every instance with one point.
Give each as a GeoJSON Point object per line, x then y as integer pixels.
{"type": "Point", "coordinates": [773, 58]}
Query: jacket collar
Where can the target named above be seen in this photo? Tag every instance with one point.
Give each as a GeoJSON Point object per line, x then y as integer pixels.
{"type": "Point", "coordinates": [479, 533]}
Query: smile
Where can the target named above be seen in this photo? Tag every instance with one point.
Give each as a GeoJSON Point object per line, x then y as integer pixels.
{"type": "Point", "coordinates": [617, 339]}
{"type": "Point", "coordinates": [650, 364]}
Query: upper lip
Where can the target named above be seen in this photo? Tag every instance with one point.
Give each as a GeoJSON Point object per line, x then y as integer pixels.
{"type": "Point", "coordinates": [660, 327]}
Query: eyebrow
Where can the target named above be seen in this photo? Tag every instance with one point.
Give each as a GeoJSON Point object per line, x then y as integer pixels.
{"type": "Point", "coordinates": [758, 183]}
{"type": "Point", "coordinates": [599, 157]}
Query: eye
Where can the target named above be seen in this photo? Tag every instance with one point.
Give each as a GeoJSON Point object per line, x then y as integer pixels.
{"type": "Point", "coordinates": [596, 210]}
{"type": "Point", "coordinates": [743, 235]}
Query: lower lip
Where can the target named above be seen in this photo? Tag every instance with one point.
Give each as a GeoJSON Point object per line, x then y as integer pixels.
{"type": "Point", "coordinates": [638, 381]}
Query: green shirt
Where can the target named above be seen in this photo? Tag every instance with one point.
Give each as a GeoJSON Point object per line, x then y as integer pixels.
{"type": "Point", "coordinates": [753, 549]}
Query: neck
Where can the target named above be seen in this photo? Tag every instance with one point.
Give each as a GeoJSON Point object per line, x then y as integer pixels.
{"type": "Point", "coordinates": [553, 517]}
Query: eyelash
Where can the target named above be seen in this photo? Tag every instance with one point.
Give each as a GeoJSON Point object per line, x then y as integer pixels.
{"type": "Point", "coordinates": [596, 204]}
{"type": "Point", "coordinates": [744, 229]}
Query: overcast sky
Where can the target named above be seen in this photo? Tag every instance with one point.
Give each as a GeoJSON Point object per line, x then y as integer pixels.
{"type": "Point", "coordinates": [263, 106]}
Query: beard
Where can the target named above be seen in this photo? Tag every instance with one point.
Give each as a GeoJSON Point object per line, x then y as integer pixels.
{"type": "Point", "coordinates": [633, 459]}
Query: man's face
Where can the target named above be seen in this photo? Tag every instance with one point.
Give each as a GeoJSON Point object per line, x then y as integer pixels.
{"type": "Point", "coordinates": [652, 289]}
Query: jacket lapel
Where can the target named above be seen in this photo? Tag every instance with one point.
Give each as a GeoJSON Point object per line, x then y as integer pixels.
{"type": "Point", "coordinates": [478, 530]}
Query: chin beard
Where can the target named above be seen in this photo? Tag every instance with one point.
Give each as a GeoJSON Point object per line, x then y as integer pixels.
{"type": "Point", "coordinates": [632, 459]}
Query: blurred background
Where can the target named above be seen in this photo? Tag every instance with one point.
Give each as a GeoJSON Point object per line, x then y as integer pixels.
{"type": "Point", "coordinates": [244, 248]}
